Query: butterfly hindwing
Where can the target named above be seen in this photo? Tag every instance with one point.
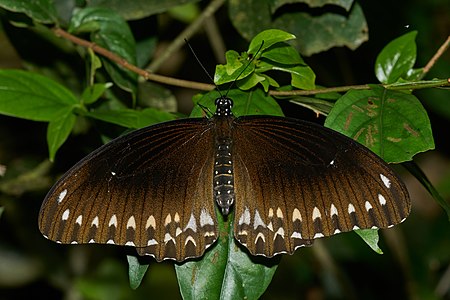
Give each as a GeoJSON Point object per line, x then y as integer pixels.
{"type": "Point", "coordinates": [296, 181]}
{"type": "Point", "coordinates": [145, 189]}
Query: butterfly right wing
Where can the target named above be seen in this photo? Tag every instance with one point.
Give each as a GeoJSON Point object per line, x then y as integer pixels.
{"type": "Point", "coordinates": [150, 189]}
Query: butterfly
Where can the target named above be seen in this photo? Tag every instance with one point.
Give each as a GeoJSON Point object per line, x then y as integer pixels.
{"type": "Point", "coordinates": [286, 181]}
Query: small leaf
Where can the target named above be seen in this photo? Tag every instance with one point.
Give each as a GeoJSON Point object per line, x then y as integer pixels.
{"type": "Point", "coordinates": [136, 271]}
{"type": "Point", "coordinates": [267, 39]}
{"type": "Point", "coordinates": [392, 124]}
{"type": "Point", "coordinates": [236, 66]}
{"type": "Point", "coordinates": [93, 92]}
{"type": "Point", "coordinates": [34, 97]}
{"type": "Point", "coordinates": [59, 130]}
{"type": "Point", "coordinates": [42, 11]}
{"type": "Point", "coordinates": [396, 59]}
{"type": "Point", "coordinates": [370, 236]}
{"type": "Point", "coordinates": [283, 53]}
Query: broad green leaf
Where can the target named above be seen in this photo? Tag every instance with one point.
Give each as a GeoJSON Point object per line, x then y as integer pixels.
{"type": "Point", "coordinates": [93, 92]}
{"type": "Point", "coordinates": [267, 39]}
{"type": "Point", "coordinates": [396, 59]}
{"type": "Point", "coordinates": [136, 271]}
{"type": "Point", "coordinates": [34, 97]}
{"type": "Point", "coordinates": [392, 124]}
{"type": "Point", "coordinates": [370, 236]}
{"type": "Point", "coordinates": [303, 77]}
{"type": "Point", "coordinates": [236, 65]}
{"type": "Point", "coordinates": [138, 9]}
{"type": "Point", "coordinates": [254, 102]}
{"type": "Point", "coordinates": [58, 131]}
{"type": "Point", "coordinates": [315, 33]}
{"type": "Point", "coordinates": [249, 81]}
{"type": "Point", "coordinates": [42, 11]}
{"type": "Point", "coordinates": [225, 271]}
{"type": "Point", "coordinates": [109, 31]}
{"type": "Point", "coordinates": [283, 53]}
{"type": "Point", "coordinates": [346, 4]}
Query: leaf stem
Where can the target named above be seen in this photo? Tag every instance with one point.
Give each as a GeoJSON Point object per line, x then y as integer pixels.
{"type": "Point", "coordinates": [435, 57]}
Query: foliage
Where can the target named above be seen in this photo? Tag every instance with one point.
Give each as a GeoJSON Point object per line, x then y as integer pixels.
{"type": "Point", "coordinates": [386, 116]}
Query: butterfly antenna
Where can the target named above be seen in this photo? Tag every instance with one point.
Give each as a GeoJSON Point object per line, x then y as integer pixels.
{"type": "Point", "coordinates": [201, 65]}
{"type": "Point", "coordinates": [251, 60]}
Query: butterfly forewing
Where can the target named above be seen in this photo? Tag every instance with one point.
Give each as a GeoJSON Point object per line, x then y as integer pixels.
{"type": "Point", "coordinates": [296, 181]}
{"type": "Point", "coordinates": [148, 189]}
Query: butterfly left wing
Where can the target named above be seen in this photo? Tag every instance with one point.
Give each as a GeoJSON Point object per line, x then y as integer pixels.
{"type": "Point", "coordinates": [296, 181]}
{"type": "Point", "coordinates": [145, 189]}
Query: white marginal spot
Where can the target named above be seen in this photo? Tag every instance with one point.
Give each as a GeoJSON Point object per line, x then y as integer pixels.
{"type": "Point", "coordinates": [79, 220]}
{"type": "Point", "coordinates": [61, 196]}
{"type": "Point", "coordinates": [168, 238]}
{"type": "Point", "coordinates": [381, 199]}
{"type": "Point", "coordinates": [245, 217]}
{"type": "Point", "coordinates": [190, 239]}
{"type": "Point", "coordinates": [318, 235]}
{"type": "Point", "coordinates": [168, 220]}
{"type": "Point", "coordinates": [65, 215]}
{"type": "Point", "coordinates": [296, 215]}
{"type": "Point", "coordinates": [336, 231]}
{"type": "Point", "coordinates": [355, 227]}
{"type": "Point", "coordinates": [270, 226]}
{"type": "Point", "coordinates": [260, 236]}
{"type": "Point", "coordinates": [270, 212]}
{"type": "Point", "coordinates": [74, 242]}
{"type": "Point", "coordinates": [152, 242]}
{"type": "Point", "coordinates": [243, 232]}
{"type": "Point", "coordinates": [368, 206]}
{"type": "Point", "coordinates": [279, 232]}
{"type": "Point", "coordinates": [316, 214]}
{"type": "Point", "coordinates": [131, 223]}
{"type": "Point", "coordinates": [386, 181]}
{"type": "Point", "coordinates": [351, 208]}
{"type": "Point", "coordinates": [333, 210]}
{"type": "Point", "coordinates": [178, 231]}
{"type": "Point", "coordinates": [191, 224]}
{"type": "Point", "coordinates": [176, 218]}
{"type": "Point", "coordinates": [113, 221]}
{"type": "Point", "coordinates": [279, 213]}
{"type": "Point", "coordinates": [209, 233]}
{"type": "Point", "coordinates": [390, 226]}
{"type": "Point", "coordinates": [151, 222]}
{"type": "Point", "coordinates": [110, 242]}
{"type": "Point", "coordinates": [258, 221]}
{"type": "Point", "coordinates": [91, 241]}
{"type": "Point", "coordinates": [130, 243]}
{"type": "Point", "coordinates": [95, 222]}
{"type": "Point", "coordinates": [205, 218]}
{"type": "Point", "coordinates": [296, 235]}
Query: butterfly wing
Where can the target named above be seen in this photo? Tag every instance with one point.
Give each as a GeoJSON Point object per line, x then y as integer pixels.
{"type": "Point", "coordinates": [151, 189]}
{"type": "Point", "coordinates": [296, 181]}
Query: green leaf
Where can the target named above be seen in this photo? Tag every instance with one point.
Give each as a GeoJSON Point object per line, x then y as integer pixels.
{"type": "Point", "coordinates": [34, 97]}
{"type": "Point", "coordinates": [254, 102]}
{"type": "Point", "coordinates": [42, 11]}
{"type": "Point", "coordinates": [109, 31]}
{"type": "Point", "coordinates": [136, 271]}
{"type": "Point", "coordinates": [236, 65]}
{"type": "Point", "coordinates": [225, 271]}
{"type": "Point", "coordinates": [59, 130]}
{"type": "Point", "coordinates": [283, 53]}
{"type": "Point", "coordinates": [270, 37]}
{"type": "Point", "coordinates": [315, 33]}
{"type": "Point", "coordinates": [93, 92]}
{"type": "Point", "coordinates": [396, 59]}
{"type": "Point", "coordinates": [370, 236]}
{"type": "Point", "coordinates": [392, 124]}
{"type": "Point", "coordinates": [346, 4]}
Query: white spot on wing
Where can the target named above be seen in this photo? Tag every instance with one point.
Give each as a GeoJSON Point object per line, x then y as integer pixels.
{"type": "Point", "coordinates": [245, 217]}
{"type": "Point", "coordinates": [296, 235]}
{"type": "Point", "coordinates": [261, 236]}
{"type": "Point", "coordinates": [279, 213]}
{"type": "Point", "coordinates": [152, 242]}
{"type": "Point", "coordinates": [79, 220]}
{"type": "Point", "coordinates": [296, 215]}
{"type": "Point", "coordinates": [258, 221]}
{"type": "Point", "coordinates": [351, 208]}
{"type": "Point", "coordinates": [316, 214]}
{"type": "Point", "coordinates": [318, 235]}
{"type": "Point", "coordinates": [168, 220]}
{"type": "Point", "coordinates": [113, 221]}
{"type": "Point", "coordinates": [333, 210]}
{"type": "Point", "coordinates": [190, 239]}
{"type": "Point", "coordinates": [386, 181]}
{"type": "Point", "coordinates": [368, 206]}
{"type": "Point", "coordinates": [205, 218]}
{"type": "Point", "coordinates": [191, 224]}
{"type": "Point", "coordinates": [61, 196]}
{"type": "Point", "coordinates": [95, 222]}
{"type": "Point", "coordinates": [279, 232]}
{"type": "Point", "coordinates": [381, 199]}
{"type": "Point", "coordinates": [110, 242]}
{"type": "Point", "coordinates": [131, 223]}
{"type": "Point", "coordinates": [151, 222]}
{"type": "Point", "coordinates": [130, 243]}
{"type": "Point", "coordinates": [65, 215]}
{"type": "Point", "coordinates": [168, 238]}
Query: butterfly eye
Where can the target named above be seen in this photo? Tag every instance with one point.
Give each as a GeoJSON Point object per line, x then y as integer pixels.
{"type": "Point", "coordinates": [286, 181]}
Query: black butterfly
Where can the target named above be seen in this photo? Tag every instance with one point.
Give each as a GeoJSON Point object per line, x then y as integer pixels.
{"type": "Point", "coordinates": [287, 181]}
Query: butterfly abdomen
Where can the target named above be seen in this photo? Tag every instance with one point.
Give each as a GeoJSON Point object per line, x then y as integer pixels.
{"type": "Point", "coordinates": [223, 175]}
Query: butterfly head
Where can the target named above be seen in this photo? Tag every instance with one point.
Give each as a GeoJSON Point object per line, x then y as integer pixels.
{"type": "Point", "coordinates": [223, 106]}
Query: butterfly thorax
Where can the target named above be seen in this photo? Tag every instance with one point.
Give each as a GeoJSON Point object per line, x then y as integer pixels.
{"type": "Point", "coordinates": [223, 181]}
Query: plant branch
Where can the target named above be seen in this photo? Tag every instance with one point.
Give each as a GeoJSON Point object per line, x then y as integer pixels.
{"type": "Point", "coordinates": [178, 42]}
{"type": "Point", "coordinates": [436, 56]}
